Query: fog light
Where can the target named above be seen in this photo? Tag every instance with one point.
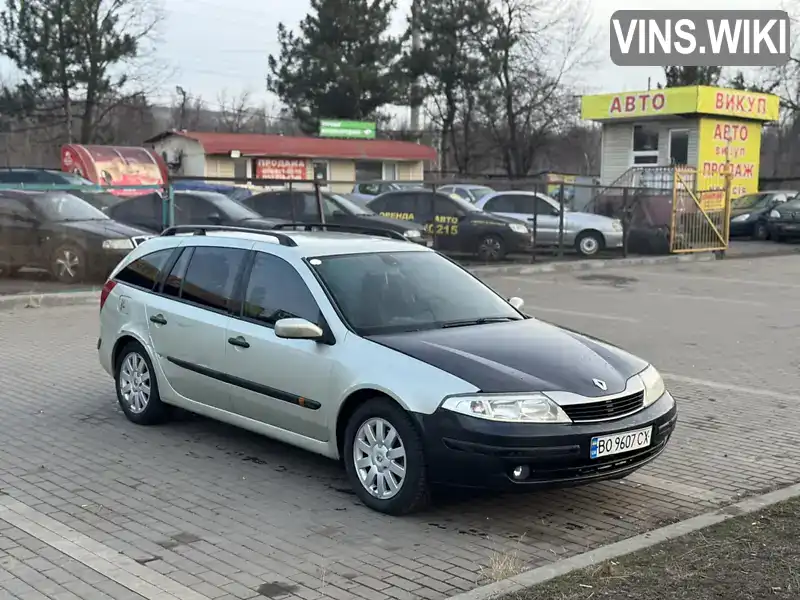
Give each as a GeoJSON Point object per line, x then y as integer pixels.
{"type": "Point", "coordinates": [521, 472]}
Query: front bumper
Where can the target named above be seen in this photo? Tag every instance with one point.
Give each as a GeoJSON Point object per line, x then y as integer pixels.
{"type": "Point", "coordinates": [613, 239]}
{"type": "Point", "coordinates": [784, 229]}
{"type": "Point", "coordinates": [472, 452]}
{"type": "Point", "coordinates": [519, 243]}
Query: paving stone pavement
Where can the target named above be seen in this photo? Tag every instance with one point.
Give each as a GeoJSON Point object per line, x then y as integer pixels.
{"type": "Point", "coordinates": [94, 507]}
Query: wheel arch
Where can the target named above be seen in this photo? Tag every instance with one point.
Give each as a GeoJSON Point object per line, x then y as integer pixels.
{"type": "Point", "coordinates": [123, 340]}
{"type": "Point", "coordinates": [592, 231]}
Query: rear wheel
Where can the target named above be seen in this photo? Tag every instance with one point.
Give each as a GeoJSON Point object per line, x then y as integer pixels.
{"type": "Point", "coordinates": [384, 458]}
{"type": "Point", "coordinates": [137, 387]}
{"type": "Point", "coordinates": [760, 232]}
{"type": "Point", "coordinates": [68, 264]}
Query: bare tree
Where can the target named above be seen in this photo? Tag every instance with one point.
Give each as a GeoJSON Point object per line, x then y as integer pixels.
{"type": "Point", "coordinates": [235, 113]}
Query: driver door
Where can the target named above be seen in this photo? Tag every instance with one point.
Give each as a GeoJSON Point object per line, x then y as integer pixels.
{"type": "Point", "coordinates": [194, 210]}
{"type": "Point", "coordinates": [446, 222]}
{"type": "Point", "coordinates": [19, 243]}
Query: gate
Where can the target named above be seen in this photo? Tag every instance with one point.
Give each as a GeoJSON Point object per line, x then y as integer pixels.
{"type": "Point", "coordinates": [700, 217]}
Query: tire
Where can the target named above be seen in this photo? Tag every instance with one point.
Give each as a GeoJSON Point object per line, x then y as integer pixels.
{"type": "Point", "coordinates": [760, 232]}
{"type": "Point", "coordinates": [68, 264]}
{"type": "Point", "coordinates": [589, 243]}
{"type": "Point", "coordinates": [132, 360]}
{"type": "Point", "coordinates": [491, 248]}
{"type": "Point", "coordinates": [413, 491]}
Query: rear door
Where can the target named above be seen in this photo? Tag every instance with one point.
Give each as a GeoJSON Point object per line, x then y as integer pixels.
{"type": "Point", "coordinates": [273, 205]}
{"type": "Point", "coordinates": [19, 240]}
{"type": "Point", "coordinates": [189, 319]}
{"type": "Point", "coordinates": [270, 390]}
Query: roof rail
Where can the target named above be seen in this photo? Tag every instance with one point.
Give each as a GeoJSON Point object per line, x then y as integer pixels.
{"type": "Point", "coordinates": [284, 239]}
{"type": "Point", "coordinates": [357, 229]}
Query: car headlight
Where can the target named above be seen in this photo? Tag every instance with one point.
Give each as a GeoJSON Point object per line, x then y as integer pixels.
{"type": "Point", "coordinates": [774, 214]}
{"type": "Point", "coordinates": [741, 218]}
{"type": "Point", "coordinates": [413, 233]}
{"type": "Point", "coordinates": [616, 225]}
{"type": "Point", "coordinates": [121, 244]}
{"type": "Point", "coordinates": [513, 408]}
{"type": "Point", "coordinates": [518, 227]}
{"type": "Point", "coordinates": [654, 386]}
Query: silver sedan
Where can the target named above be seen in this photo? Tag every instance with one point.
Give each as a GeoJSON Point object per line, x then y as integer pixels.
{"type": "Point", "coordinates": [587, 232]}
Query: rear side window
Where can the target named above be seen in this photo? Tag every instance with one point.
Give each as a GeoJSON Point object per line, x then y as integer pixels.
{"type": "Point", "coordinates": [276, 291]}
{"type": "Point", "coordinates": [174, 281]}
{"type": "Point", "coordinates": [211, 275]}
{"type": "Point", "coordinates": [145, 272]}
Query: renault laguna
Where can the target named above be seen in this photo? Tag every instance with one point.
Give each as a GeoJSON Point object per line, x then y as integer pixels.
{"type": "Point", "coordinates": [378, 352]}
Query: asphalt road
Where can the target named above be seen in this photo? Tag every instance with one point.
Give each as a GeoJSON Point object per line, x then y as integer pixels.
{"type": "Point", "coordinates": [94, 507]}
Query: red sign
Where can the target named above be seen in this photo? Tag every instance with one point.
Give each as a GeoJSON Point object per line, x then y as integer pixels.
{"type": "Point", "coordinates": [638, 103]}
{"type": "Point", "coordinates": [115, 166]}
{"type": "Point", "coordinates": [281, 168]}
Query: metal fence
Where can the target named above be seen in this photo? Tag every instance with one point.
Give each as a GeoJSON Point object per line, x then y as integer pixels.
{"type": "Point", "coordinates": [77, 233]}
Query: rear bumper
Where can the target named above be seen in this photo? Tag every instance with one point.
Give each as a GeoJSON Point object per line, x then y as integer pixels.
{"type": "Point", "coordinates": [471, 452]}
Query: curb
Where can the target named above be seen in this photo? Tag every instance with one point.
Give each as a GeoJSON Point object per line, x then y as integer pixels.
{"type": "Point", "coordinates": [545, 573]}
{"type": "Point", "coordinates": [33, 300]}
{"type": "Point", "coordinates": [588, 265]}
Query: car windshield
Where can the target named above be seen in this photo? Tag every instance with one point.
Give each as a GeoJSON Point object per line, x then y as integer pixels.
{"type": "Point", "coordinates": [66, 207]}
{"type": "Point", "coordinates": [463, 204]}
{"type": "Point", "coordinates": [385, 292]}
{"type": "Point", "coordinates": [480, 192]}
{"type": "Point", "coordinates": [348, 206]}
{"type": "Point", "coordinates": [73, 178]}
{"type": "Point", "coordinates": [750, 201]}
{"type": "Point", "coordinates": [793, 204]}
{"type": "Point", "coordinates": [232, 209]}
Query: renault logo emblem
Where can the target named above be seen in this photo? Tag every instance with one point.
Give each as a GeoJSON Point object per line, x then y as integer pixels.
{"type": "Point", "coordinates": [600, 383]}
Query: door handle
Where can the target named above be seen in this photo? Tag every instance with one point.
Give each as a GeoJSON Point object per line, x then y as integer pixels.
{"type": "Point", "coordinates": [239, 341]}
{"type": "Point", "coordinates": [159, 318]}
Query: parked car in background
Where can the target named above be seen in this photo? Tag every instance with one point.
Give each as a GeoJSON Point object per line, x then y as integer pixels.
{"type": "Point", "coordinates": [455, 224]}
{"type": "Point", "coordinates": [783, 221]}
{"type": "Point", "coordinates": [89, 191]}
{"type": "Point", "coordinates": [467, 191]}
{"type": "Point", "coordinates": [191, 208]}
{"type": "Point", "coordinates": [586, 232]}
{"type": "Point", "coordinates": [232, 191]}
{"type": "Point", "coordinates": [750, 213]}
{"type": "Point", "coordinates": [369, 189]}
{"type": "Point", "coordinates": [301, 206]}
{"type": "Point", "coordinates": [61, 233]}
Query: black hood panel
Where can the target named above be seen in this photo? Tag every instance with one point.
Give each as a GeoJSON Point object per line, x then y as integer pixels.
{"type": "Point", "coordinates": [520, 356]}
{"type": "Point", "coordinates": [104, 228]}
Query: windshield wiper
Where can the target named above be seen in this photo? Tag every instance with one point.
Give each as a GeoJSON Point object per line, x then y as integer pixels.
{"type": "Point", "coordinates": [481, 321]}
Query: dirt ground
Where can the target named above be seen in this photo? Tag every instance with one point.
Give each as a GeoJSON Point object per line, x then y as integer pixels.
{"type": "Point", "coordinates": [751, 557]}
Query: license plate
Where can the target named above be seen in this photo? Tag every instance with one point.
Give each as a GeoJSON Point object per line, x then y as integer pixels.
{"type": "Point", "coordinates": [791, 227]}
{"type": "Point", "coordinates": [627, 441]}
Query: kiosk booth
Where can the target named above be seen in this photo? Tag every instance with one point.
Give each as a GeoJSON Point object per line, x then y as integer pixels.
{"type": "Point", "coordinates": [683, 152]}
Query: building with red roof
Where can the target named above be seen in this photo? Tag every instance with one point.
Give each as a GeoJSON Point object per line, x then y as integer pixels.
{"type": "Point", "coordinates": [278, 157]}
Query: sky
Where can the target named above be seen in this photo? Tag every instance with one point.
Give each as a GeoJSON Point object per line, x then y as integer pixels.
{"type": "Point", "coordinates": [215, 47]}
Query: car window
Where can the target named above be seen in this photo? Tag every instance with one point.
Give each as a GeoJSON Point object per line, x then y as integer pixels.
{"type": "Point", "coordinates": [277, 205]}
{"type": "Point", "coordinates": [446, 207]}
{"type": "Point", "coordinates": [276, 291]}
{"type": "Point", "coordinates": [18, 177]}
{"type": "Point", "coordinates": [210, 276]}
{"type": "Point", "coordinates": [386, 292]}
{"type": "Point", "coordinates": [480, 192]}
{"type": "Point", "coordinates": [503, 203]}
{"type": "Point", "coordinates": [193, 210]}
{"type": "Point", "coordinates": [462, 193]}
{"type": "Point", "coordinates": [778, 198]}
{"type": "Point", "coordinates": [145, 272]}
{"type": "Point", "coordinates": [174, 281]}
{"type": "Point", "coordinates": [348, 206]}
{"type": "Point", "coordinates": [370, 189]}
{"type": "Point", "coordinates": [750, 201]}
{"type": "Point", "coordinates": [64, 207]}
{"type": "Point", "coordinates": [10, 207]}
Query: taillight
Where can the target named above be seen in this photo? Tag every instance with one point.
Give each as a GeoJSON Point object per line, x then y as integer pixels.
{"type": "Point", "coordinates": [109, 285]}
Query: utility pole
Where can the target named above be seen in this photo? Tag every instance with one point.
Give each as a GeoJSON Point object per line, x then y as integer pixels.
{"type": "Point", "coordinates": [416, 43]}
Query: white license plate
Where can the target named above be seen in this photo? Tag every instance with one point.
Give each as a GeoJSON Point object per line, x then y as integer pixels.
{"type": "Point", "coordinates": [627, 441]}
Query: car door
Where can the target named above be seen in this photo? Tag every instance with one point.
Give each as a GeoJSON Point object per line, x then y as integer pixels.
{"type": "Point", "coordinates": [547, 219]}
{"type": "Point", "coordinates": [189, 319]}
{"type": "Point", "coordinates": [397, 205]}
{"type": "Point", "coordinates": [143, 211]}
{"type": "Point", "coordinates": [195, 210]}
{"type": "Point", "coordinates": [271, 391]}
{"type": "Point", "coordinates": [19, 238]}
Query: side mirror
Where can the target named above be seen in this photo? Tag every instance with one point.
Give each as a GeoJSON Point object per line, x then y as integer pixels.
{"type": "Point", "coordinates": [298, 329]}
{"type": "Point", "coordinates": [215, 219]}
{"type": "Point", "coordinates": [516, 302]}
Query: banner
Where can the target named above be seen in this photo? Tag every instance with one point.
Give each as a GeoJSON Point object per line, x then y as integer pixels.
{"type": "Point", "coordinates": [282, 168]}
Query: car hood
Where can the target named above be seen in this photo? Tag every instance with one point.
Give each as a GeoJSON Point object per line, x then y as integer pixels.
{"type": "Point", "coordinates": [520, 356]}
{"type": "Point", "coordinates": [493, 217]}
{"type": "Point", "coordinates": [260, 223]}
{"type": "Point", "coordinates": [388, 222]}
{"type": "Point", "coordinates": [107, 228]}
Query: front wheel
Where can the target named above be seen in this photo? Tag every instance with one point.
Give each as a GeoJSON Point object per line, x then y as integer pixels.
{"type": "Point", "coordinates": [589, 243]}
{"type": "Point", "coordinates": [491, 248]}
{"type": "Point", "coordinates": [384, 458]}
{"type": "Point", "coordinates": [68, 264]}
{"type": "Point", "coordinates": [760, 232]}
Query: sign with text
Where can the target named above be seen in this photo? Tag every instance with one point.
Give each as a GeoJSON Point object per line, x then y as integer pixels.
{"type": "Point", "coordinates": [727, 144]}
{"type": "Point", "coordinates": [361, 130]}
{"type": "Point", "coordinates": [295, 169]}
{"type": "Point", "coordinates": [738, 103]}
{"type": "Point", "coordinates": [717, 38]}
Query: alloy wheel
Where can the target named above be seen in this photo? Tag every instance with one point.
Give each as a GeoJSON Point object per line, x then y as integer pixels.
{"type": "Point", "coordinates": [380, 458]}
{"type": "Point", "coordinates": [67, 264]}
{"type": "Point", "coordinates": [134, 382]}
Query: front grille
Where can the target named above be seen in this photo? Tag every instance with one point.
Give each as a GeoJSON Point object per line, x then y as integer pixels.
{"type": "Point", "coordinates": [604, 409]}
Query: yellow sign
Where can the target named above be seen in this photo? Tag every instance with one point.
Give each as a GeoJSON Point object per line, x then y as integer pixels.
{"type": "Point", "coordinates": [681, 101]}
{"type": "Point", "coordinates": [737, 103]}
{"type": "Point", "coordinates": [727, 145]}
